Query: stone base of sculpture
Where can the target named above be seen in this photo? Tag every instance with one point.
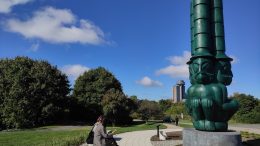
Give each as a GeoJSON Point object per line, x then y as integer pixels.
{"type": "Point", "coordinates": [193, 137]}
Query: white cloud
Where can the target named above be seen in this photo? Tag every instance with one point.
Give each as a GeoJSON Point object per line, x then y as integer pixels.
{"type": "Point", "coordinates": [57, 26]}
{"type": "Point", "coordinates": [175, 71]}
{"type": "Point", "coordinates": [180, 60]}
{"type": "Point", "coordinates": [178, 67]}
{"type": "Point", "coordinates": [6, 5]}
{"type": "Point", "coordinates": [74, 71]}
{"type": "Point", "coordinates": [235, 59]}
{"type": "Point", "coordinates": [147, 82]}
{"type": "Point", "coordinates": [34, 47]}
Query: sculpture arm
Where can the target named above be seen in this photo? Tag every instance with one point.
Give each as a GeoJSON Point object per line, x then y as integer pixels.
{"type": "Point", "coordinates": [230, 105]}
{"type": "Point", "coordinates": [188, 107]}
{"type": "Point", "coordinates": [230, 108]}
{"type": "Point", "coordinates": [193, 101]}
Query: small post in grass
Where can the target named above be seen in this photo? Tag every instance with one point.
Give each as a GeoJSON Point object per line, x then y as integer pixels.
{"type": "Point", "coordinates": [158, 130]}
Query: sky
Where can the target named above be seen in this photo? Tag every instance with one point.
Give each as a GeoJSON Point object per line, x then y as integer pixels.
{"type": "Point", "coordinates": [144, 43]}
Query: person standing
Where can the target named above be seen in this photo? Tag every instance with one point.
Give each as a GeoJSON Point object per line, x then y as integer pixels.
{"type": "Point", "coordinates": [176, 120]}
{"type": "Point", "coordinates": [100, 133]}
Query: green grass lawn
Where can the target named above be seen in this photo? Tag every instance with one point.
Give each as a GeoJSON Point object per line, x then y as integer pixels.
{"type": "Point", "coordinates": [185, 121]}
{"type": "Point", "coordinates": [137, 127]}
{"type": "Point", "coordinates": [185, 124]}
{"type": "Point", "coordinates": [57, 136]}
{"type": "Point", "coordinates": [43, 137]}
{"type": "Point", "coordinates": [250, 139]}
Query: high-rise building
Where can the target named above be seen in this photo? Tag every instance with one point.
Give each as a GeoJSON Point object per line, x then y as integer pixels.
{"type": "Point", "coordinates": [179, 91]}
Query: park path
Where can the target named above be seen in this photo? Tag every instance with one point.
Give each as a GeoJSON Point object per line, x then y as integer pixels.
{"type": "Point", "coordinates": [141, 138]}
{"type": "Point", "coordinates": [251, 128]}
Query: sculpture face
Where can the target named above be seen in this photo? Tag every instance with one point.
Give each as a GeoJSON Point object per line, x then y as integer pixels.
{"type": "Point", "coordinates": [191, 75]}
{"type": "Point", "coordinates": [201, 70]}
{"type": "Point", "coordinates": [224, 73]}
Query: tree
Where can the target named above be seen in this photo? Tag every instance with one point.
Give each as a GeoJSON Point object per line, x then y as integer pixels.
{"type": "Point", "coordinates": [134, 98]}
{"type": "Point", "coordinates": [31, 92]}
{"type": "Point", "coordinates": [133, 101]}
{"type": "Point", "coordinates": [117, 107]}
{"type": "Point", "coordinates": [89, 90]}
{"type": "Point", "coordinates": [249, 110]}
{"type": "Point", "coordinates": [165, 104]}
{"type": "Point", "coordinates": [177, 109]}
{"type": "Point", "coordinates": [149, 110]}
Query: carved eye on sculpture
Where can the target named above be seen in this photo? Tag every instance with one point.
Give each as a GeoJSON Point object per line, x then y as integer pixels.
{"type": "Point", "coordinates": [205, 66]}
{"type": "Point", "coordinates": [195, 67]}
{"type": "Point", "coordinates": [226, 66]}
{"type": "Point", "coordinates": [190, 69]}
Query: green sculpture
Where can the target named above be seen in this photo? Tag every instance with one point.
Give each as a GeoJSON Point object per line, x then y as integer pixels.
{"type": "Point", "coordinates": [210, 68]}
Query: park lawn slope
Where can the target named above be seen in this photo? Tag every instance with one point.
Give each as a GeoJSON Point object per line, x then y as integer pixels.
{"type": "Point", "coordinates": [43, 137]}
{"type": "Point", "coordinates": [60, 136]}
{"type": "Point", "coordinates": [138, 127]}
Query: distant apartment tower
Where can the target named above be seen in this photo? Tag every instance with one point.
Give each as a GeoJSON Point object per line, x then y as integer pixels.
{"type": "Point", "coordinates": [179, 91]}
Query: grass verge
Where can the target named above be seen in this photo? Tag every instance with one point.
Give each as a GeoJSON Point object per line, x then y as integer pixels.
{"type": "Point", "coordinates": [43, 137]}
{"type": "Point", "coordinates": [250, 139]}
{"type": "Point", "coordinates": [185, 125]}
{"type": "Point", "coordinates": [138, 127]}
{"type": "Point", "coordinates": [60, 136]}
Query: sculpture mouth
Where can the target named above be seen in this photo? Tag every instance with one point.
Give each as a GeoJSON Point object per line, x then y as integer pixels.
{"type": "Point", "coordinates": [225, 79]}
{"type": "Point", "coordinates": [203, 77]}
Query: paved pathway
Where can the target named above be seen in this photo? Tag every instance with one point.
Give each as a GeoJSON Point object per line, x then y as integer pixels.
{"type": "Point", "coordinates": [141, 138]}
{"type": "Point", "coordinates": [251, 128]}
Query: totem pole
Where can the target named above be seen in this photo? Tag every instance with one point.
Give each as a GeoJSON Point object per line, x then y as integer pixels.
{"type": "Point", "coordinates": [209, 68]}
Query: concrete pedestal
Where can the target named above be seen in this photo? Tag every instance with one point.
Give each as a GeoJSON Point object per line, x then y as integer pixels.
{"type": "Point", "coordinates": [192, 137]}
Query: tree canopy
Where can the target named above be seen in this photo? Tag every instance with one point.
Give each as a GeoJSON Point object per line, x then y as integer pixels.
{"type": "Point", "coordinates": [31, 92]}
{"type": "Point", "coordinates": [249, 110]}
{"type": "Point", "coordinates": [98, 92]}
{"type": "Point", "coordinates": [149, 110]}
{"type": "Point", "coordinates": [117, 107]}
{"type": "Point", "coordinates": [165, 104]}
{"type": "Point", "coordinates": [177, 109]}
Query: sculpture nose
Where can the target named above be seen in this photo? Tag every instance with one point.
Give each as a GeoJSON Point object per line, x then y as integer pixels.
{"type": "Point", "coordinates": [200, 68]}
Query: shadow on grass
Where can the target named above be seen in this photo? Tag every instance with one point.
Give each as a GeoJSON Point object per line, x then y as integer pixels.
{"type": "Point", "coordinates": [254, 142]}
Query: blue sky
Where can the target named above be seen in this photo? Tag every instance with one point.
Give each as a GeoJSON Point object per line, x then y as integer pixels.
{"type": "Point", "coordinates": [144, 43]}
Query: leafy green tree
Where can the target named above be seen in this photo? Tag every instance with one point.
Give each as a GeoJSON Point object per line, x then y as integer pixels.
{"type": "Point", "coordinates": [133, 101]}
{"type": "Point", "coordinates": [134, 98]}
{"type": "Point", "coordinates": [117, 107]}
{"type": "Point", "coordinates": [249, 110]}
{"type": "Point", "coordinates": [165, 104]}
{"type": "Point", "coordinates": [32, 92]}
{"type": "Point", "coordinates": [256, 114]}
{"type": "Point", "coordinates": [177, 109]}
{"type": "Point", "coordinates": [89, 90]}
{"type": "Point", "coordinates": [149, 110]}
